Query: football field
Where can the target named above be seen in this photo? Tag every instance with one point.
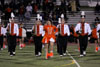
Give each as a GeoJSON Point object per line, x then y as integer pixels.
{"type": "Point", "coordinates": [26, 58]}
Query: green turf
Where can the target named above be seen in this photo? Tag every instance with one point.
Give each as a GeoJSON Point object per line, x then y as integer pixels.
{"type": "Point", "coordinates": [26, 58]}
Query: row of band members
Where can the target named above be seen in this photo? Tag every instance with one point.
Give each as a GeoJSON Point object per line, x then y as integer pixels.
{"type": "Point", "coordinates": [48, 35]}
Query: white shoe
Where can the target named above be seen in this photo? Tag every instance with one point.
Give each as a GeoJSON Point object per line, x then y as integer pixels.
{"type": "Point", "coordinates": [14, 53]}
{"type": "Point", "coordinates": [39, 53]}
{"type": "Point", "coordinates": [96, 51]}
{"type": "Point", "coordinates": [64, 54]}
{"type": "Point", "coordinates": [11, 55]}
{"type": "Point", "coordinates": [84, 52]}
{"type": "Point", "coordinates": [43, 46]}
{"type": "Point", "coordinates": [61, 55]}
{"type": "Point", "coordinates": [20, 48]}
{"type": "Point", "coordinates": [1, 48]}
{"type": "Point", "coordinates": [36, 55]}
{"type": "Point", "coordinates": [81, 55]}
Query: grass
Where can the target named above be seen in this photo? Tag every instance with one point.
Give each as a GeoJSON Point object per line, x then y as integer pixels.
{"type": "Point", "coordinates": [26, 58]}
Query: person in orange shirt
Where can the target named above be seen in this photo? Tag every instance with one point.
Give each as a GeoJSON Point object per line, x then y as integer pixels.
{"type": "Point", "coordinates": [95, 37]}
{"type": "Point", "coordinates": [49, 37]}
{"type": "Point", "coordinates": [21, 36]}
{"type": "Point", "coordinates": [94, 34]}
{"type": "Point", "coordinates": [73, 35]}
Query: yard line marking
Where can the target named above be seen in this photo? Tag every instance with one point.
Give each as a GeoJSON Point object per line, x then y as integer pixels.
{"type": "Point", "coordinates": [73, 62]}
{"type": "Point", "coordinates": [69, 63]}
{"type": "Point", "coordinates": [73, 59]}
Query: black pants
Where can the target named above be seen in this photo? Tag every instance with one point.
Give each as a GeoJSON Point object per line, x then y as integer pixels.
{"type": "Point", "coordinates": [12, 44]}
{"type": "Point", "coordinates": [57, 40]}
{"type": "Point", "coordinates": [1, 42]}
{"type": "Point", "coordinates": [83, 41]}
{"type": "Point", "coordinates": [8, 41]}
{"type": "Point", "coordinates": [38, 44]}
{"type": "Point", "coordinates": [62, 46]}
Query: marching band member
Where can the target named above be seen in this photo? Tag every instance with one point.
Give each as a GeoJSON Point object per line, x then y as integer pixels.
{"type": "Point", "coordinates": [13, 31]}
{"type": "Point", "coordinates": [83, 29]}
{"type": "Point", "coordinates": [64, 32]}
{"type": "Point", "coordinates": [49, 37]}
{"type": "Point", "coordinates": [2, 34]}
{"type": "Point", "coordinates": [98, 28]}
{"type": "Point", "coordinates": [98, 31]}
{"type": "Point", "coordinates": [37, 31]}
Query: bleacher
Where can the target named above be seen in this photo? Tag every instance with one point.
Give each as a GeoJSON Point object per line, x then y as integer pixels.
{"type": "Point", "coordinates": [90, 16]}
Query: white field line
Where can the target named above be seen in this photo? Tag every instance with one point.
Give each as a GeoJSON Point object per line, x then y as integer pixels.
{"type": "Point", "coordinates": [73, 59]}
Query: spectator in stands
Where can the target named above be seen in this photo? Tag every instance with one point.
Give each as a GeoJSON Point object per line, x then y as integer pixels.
{"type": "Point", "coordinates": [77, 5]}
{"type": "Point", "coordinates": [35, 7]}
{"type": "Point", "coordinates": [27, 15]}
{"type": "Point", "coordinates": [58, 11]}
{"type": "Point", "coordinates": [21, 13]}
{"type": "Point", "coordinates": [45, 15]}
{"type": "Point", "coordinates": [73, 6]}
{"type": "Point", "coordinates": [2, 2]}
{"type": "Point", "coordinates": [1, 7]}
{"type": "Point", "coordinates": [55, 19]}
{"type": "Point", "coordinates": [45, 5]}
{"type": "Point", "coordinates": [97, 8]}
{"type": "Point", "coordinates": [8, 11]}
{"type": "Point", "coordinates": [38, 2]}
{"type": "Point", "coordinates": [50, 15]}
{"type": "Point", "coordinates": [51, 6]}
{"type": "Point", "coordinates": [18, 5]}
{"type": "Point", "coordinates": [97, 20]}
{"type": "Point", "coordinates": [63, 8]}
{"type": "Point", "coordinates": [69, 6]}
{"type": "Point", "coordinates": [12, 4]}
{"type": "Point", "coordinates": [29, 8]}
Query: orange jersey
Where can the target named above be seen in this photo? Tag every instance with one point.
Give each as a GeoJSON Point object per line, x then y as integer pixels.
{"type": "Point", "coordinates": [50, 32]}
{"type": "Point", "coordinates": [20, 32]}
{"type": "Point", "coordinates": [94, 33]}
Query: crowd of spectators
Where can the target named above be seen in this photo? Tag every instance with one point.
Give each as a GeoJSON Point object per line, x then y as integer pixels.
{"type": "Point", "coordinates": [27, 8]}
